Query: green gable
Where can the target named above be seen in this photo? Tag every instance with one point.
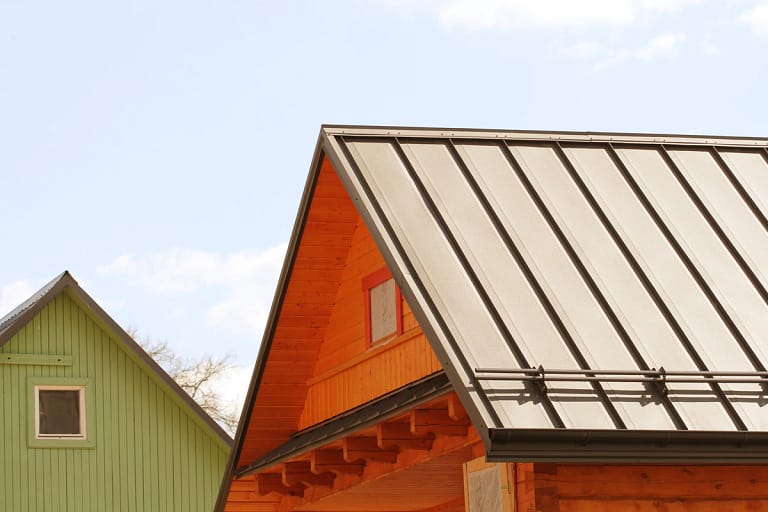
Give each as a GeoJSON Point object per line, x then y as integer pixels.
{"type": "Point", "coordinates": [147, 446]}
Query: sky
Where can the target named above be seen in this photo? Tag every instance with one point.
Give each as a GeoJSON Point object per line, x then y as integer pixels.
{"type": "Point", "coordinates": [158, 149]}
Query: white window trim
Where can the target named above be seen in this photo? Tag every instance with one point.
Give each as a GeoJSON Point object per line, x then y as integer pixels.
{"type": "Point", "coordinates": [81, 404]}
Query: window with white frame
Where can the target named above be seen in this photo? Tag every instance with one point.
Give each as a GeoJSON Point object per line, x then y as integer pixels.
{"type": "Point", "coordinates": [60, 412]}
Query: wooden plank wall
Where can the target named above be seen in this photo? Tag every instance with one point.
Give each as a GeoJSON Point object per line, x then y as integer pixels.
{"type": "Point", "coordinates": [309, 298]}
{"type": "Point", "coordinates": [149, 454]}
{"type": "Point", "coordinates": [613, 488]}
{"type": "Point", "coordinates": [347, 372]}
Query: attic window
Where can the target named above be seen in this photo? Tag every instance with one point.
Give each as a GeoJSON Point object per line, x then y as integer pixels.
{"type": "Point", "coordinates": [60, 412]}
{"type": "Point", "coordinates": [383, 315]}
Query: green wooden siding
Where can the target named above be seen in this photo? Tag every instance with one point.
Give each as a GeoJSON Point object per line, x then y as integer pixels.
{"type": "Point", "coordinates": [150, 453]}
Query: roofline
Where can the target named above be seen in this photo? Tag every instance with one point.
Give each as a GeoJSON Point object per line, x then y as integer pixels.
{"type": "Point", "coordinates": [367, 415]}
{"type": "Point", "coordinates": [12, 322]}
{"type": "Point", "coordinates": [324, 147]}
{"type": "Point", "coordinates": [65, 282]}
{"type": "Point", "coordinates": [542, 135]}
{"type": "Point", "coordinates": [271, 324]}
{"type": "Point", "coordinates": [628, 446]}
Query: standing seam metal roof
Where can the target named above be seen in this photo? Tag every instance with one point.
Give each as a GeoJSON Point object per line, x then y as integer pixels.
{"type": "Point", "coordinates": [586, 282]}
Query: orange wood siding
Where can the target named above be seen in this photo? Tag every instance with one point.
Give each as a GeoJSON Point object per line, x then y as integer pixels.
{"type": "Point", "coordinates": [597, 488]}
{"type": "Point", "coordinates": [318, 365]}
{"type": "Point", "coordinates": [348, 373]}
{"type": "Point", "coordinates": [308, 301]}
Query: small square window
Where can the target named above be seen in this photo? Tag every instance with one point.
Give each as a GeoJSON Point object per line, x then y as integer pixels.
{"type": "Point", "coordinates": [60, 412]}
{"type": "Point", "coordinates": [383, 317]}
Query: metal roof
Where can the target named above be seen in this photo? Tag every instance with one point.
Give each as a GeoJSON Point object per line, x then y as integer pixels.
{"type": "Point", "coordinates": [14, 321]}
{"type": "Point", "coordinates": [10, 320]}
{"type": "Point", "coordinates": [600, 284]}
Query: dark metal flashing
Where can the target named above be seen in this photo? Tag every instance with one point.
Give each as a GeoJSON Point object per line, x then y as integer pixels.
{"type": "Point", "coordinates": [362, 417]}
{"type": "Point", "coordinates": [628, 446]}
{"type": "Point", "coordinates": [64, 282]}
{"type": "Point", "coordinates": [271, 325]}
{"type": "Point", "coordinates": [541, 135]}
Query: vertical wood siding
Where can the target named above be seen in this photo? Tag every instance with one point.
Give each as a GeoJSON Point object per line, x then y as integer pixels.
{"type": "Point", "coordinates": [348, 373]}
{"type": "Point", "coordinates": [149, 454]}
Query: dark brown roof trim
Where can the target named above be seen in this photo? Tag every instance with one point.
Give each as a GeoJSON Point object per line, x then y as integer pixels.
{"type": "Point", "coordinates": [271, 325]}
{"type": "Point", "coordinates": [11, 323]}
{"type": "Point", "coordinates": [362, 417]}
{"type": "Point", "coordinates": [541, 135]}
{"type": "Point", "coordinates": [16, 319]}
{"type": "Point", "coordinates": [628, 446]}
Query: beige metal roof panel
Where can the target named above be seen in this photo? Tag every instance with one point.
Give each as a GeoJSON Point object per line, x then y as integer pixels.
{"type": "Point", "coordinates": [582, 282]}
{"type": "Point", "coordinates": [653, 335]}
{"type": "Point", "coordinates": [509, 293]}
{"type": "Point", "coordinates": [750, 172]}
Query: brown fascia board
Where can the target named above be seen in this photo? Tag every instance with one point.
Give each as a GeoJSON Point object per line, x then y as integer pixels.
{"type": "Point", "coordinates": [271, 325]}
{"type": "Point", "coordinates": [65, 282]}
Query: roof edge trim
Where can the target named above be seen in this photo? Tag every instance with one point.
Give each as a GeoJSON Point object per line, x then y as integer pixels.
{"type": "Point", "coordinates": [541, 135]}
{"type": "Point", "coordinates": [628, 446]}
{"type": "Point", "coordinates": [364, 416]}
{"type": "Point", "coordinates": [271, 323]}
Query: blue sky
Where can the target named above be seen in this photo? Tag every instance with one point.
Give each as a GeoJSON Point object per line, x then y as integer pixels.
{"type": "Point", "coordinates": [158, 150]}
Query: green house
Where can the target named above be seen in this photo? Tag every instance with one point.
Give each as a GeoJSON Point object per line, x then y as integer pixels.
{"type": "Point", "coordinates": [89, 422]}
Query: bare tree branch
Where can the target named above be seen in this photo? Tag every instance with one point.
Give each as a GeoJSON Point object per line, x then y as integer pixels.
{"type": "Point", "coordinates": [195, 376]}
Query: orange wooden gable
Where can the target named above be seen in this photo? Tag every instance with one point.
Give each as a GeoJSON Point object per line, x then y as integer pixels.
{"type": "Point", "coordinates": [317, 363]}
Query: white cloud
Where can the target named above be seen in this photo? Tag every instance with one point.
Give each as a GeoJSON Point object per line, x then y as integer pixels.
{"type": "Point", "coordinates": [668, 5]}
{"type": "Point", "coordinates": [517, 14]}
{"type": "Point", "coordinates": [121, 265]}
{"type": "Point", "coordinates": [485, 14]}
{"type": "Point", "coordinates": [756, 19]}
{"type": "Point", "coordinates": [14, 294]}
{"type": "Point", "coordinates": [246, 279]}
{"type": "Point", "coordinates": [583, 50]}
{"type": "Point", "coordinates": [663, 45]}
{"type": "Point", "coordinates": [708, 47]}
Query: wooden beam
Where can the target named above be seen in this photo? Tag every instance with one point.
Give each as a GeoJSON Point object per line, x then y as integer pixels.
{"type": "Point", "coordinates": [455, 410]}
{"type": "Point", "coordinates": [399, 435]}
{"type": "Point", "coordinates": [273, 482]}
{"type": "Point", "coordinates": [437, 421]}
{"type": "Point", "coordinates": [333, 460]}
{"type": "Point", "coordinates": [300, 472]}
{"type": "Point", "coordinates": [366, 448]}
{"type": "Point", "coordinates": [35, 359]}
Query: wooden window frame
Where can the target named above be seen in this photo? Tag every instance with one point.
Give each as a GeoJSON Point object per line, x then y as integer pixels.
{"type": "Point", "coordinates": [87, 412]}
{"type": "Point", "coordinates": [370, 281]}
{"type": "Point", "coordinates": [82, 413]}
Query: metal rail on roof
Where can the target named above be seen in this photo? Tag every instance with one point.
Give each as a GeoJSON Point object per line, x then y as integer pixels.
{"type": "Point", "coordinates": [658, 377]}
